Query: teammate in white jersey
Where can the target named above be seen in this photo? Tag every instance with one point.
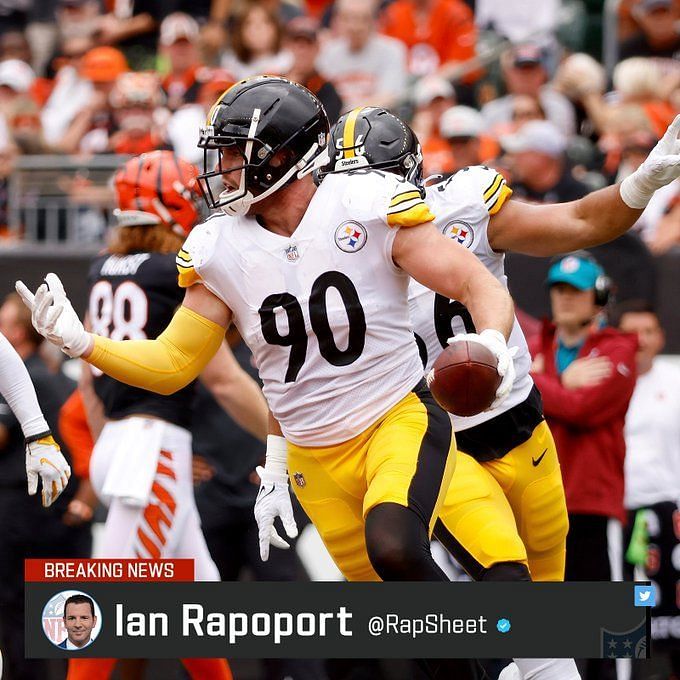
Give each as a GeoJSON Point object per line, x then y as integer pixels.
{"type": "Point", "coordinates": [317, 282]}
{"type": "Point", "coordinates": [472, 208]}
{"type": "Point", "coordinates": [43, 456]}
{"type": "Point", "coordinates": [509, 505]}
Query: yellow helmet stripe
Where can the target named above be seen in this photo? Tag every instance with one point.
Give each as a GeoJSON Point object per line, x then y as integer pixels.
{"type": "Point", "coordinates": [348, 131]}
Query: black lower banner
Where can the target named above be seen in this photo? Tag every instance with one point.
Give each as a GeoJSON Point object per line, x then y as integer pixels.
{"type": "Point", "coordinates": [338, 620]}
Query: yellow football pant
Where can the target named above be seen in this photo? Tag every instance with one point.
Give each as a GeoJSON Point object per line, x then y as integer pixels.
{"type": "Point", "coordinates": [511, 509]}
{"type": "Point", "coordinates": [407, 457]}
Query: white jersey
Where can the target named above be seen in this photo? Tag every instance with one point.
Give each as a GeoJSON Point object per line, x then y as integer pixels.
{"type": "Point", "coordinates": [652, 434]}
{"type": "Point", "coordinates": [324, 312]}
{"type": "Point", "coordinates": [462, 206]}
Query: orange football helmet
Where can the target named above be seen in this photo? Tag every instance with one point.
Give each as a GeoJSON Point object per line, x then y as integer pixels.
{"type": "Point", "coordinates": [157, 188]}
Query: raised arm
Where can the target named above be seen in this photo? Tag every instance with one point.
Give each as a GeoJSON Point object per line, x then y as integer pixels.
{"type": "Point", "coordinates": [550, 229]}
{"type": "Point", "coordinates": [163, 365]}
{"type": "Point", "coordinates": [602, 216]}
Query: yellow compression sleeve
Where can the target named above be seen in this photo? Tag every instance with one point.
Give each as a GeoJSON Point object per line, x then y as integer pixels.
{"type": "Point", "coordinates": [166, 364]}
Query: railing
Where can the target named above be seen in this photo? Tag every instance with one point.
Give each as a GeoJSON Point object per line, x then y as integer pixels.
{"type": "Point", "coordinates": [610, 35]}
{"type": "Point", "coordinates": [61, 199]}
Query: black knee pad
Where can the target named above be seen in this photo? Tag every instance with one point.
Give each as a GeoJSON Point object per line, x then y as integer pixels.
{"type": "Point", "coordinates": [506, 571]}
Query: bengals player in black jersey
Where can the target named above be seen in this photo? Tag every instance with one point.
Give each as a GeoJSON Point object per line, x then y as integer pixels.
{"type": "Point", "coordinates": [141, 463]}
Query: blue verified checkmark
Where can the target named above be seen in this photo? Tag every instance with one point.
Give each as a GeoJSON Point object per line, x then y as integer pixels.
{"type": "Point", "coordinates": [645, 596]}
{"type": "Point", "coordinates": [503, 625]}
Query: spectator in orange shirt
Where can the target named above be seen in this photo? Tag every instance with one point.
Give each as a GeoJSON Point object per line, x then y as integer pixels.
{"type": "Point", "coordinates": [438, 33]}
{"type": "Point", "coordinates": [136, 101]}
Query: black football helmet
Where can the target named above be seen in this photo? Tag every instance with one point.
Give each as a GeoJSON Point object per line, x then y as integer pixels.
{"type": "Point", "coordinates": [262, 118]}
{"type": "Point", "coordinates": [369, 137]}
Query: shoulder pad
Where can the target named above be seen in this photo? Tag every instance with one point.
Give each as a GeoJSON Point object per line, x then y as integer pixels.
{"type": "Point", "coordinates": [480, 185]}
{"type": "Point", "coordinates": [407, 207]}
{"type": "Point", "coordinates": [197, 251]}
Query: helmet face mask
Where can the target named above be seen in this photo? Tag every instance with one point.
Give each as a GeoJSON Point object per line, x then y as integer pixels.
{"type": "Point", "coordinates": [253, 159]}
{"type": "Point", "coordinates": [275, 128]}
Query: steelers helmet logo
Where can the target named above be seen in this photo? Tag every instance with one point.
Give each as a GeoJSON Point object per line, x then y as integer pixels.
{"type": "Point", "coordinates": [351, 236]}
{"type": "Point", "coordinates": [459, 231]}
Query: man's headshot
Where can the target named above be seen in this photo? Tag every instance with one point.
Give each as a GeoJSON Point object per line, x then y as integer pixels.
{"type": "Point", "coordinates": [80, 620]}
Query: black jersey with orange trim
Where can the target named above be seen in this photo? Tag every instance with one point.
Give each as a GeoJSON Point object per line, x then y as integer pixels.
{"type": "Point", "coordinates": [134, 297]}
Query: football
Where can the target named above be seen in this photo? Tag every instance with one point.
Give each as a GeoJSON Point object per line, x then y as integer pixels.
{"type": "Point", "coordinates": [464, 378]}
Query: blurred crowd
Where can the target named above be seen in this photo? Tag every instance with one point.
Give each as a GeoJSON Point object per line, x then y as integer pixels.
{"type": "Point", "coordinates": [519, 86]}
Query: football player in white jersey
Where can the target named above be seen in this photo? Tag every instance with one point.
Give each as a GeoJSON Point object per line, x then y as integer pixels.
{"type": "Point", "coordinates": [316, 281]}
{"type": "Point", "coordinates": [511, 443]}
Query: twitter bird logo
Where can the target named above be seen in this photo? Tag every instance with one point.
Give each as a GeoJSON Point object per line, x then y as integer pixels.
{"type": "Point", "coordinates": [645, 596]}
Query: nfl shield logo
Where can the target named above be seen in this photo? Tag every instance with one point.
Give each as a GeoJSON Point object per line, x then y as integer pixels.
{"type": "Point", "coordinates": [292, 253]}
{"type": "Point", "coordinates": [630, 644]}
{"type": "Point", "coordinates": [299, 479]}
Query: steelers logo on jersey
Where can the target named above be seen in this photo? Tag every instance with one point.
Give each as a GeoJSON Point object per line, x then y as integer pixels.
{"type": "Point", "coordinates": [459, 231]}
{"type": "Point", "coordinates": [351, 236]}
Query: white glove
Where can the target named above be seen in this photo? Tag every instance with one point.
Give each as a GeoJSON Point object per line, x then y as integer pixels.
{"type": "Point", "coordinates": [660, 168]}
{"type": "Point", "coordinates": [495, 341]}
{"type": "Point", "coordinates": [54, 317]}
{"type": "Point", "coordinates": [44, 460]}
{"type": "Point", "coordinates": [273, 498]}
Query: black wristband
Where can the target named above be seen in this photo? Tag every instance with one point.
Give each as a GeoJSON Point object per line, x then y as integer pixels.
{"type": "Point", "coordinates": [35, 437]}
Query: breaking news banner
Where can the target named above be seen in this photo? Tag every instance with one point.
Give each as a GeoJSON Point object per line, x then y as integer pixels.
{"type": "Point", "coordinates": [153, 609]}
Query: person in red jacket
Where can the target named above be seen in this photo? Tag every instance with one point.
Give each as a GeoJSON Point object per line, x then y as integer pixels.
{"type": "Point", "coordinates": [586, 374]}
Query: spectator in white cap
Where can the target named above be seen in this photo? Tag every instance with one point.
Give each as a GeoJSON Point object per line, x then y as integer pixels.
{"type": "Point", "coordinates": [432, 96]}
{"type": "Point", "coordinates": [16, 78]}
{"type": "Point", "coordinates": [178, 43]}
{"type": "Point", "coordinates": [524, 73]}
{"type": "Point", "coordinates": [463, 127]}
{"type": "Point", "coordinates": [16, 104]}
{"type": "Point", "coordinates": [539, 166]}
{"type": "Point", "coordinates": [365, 67]}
